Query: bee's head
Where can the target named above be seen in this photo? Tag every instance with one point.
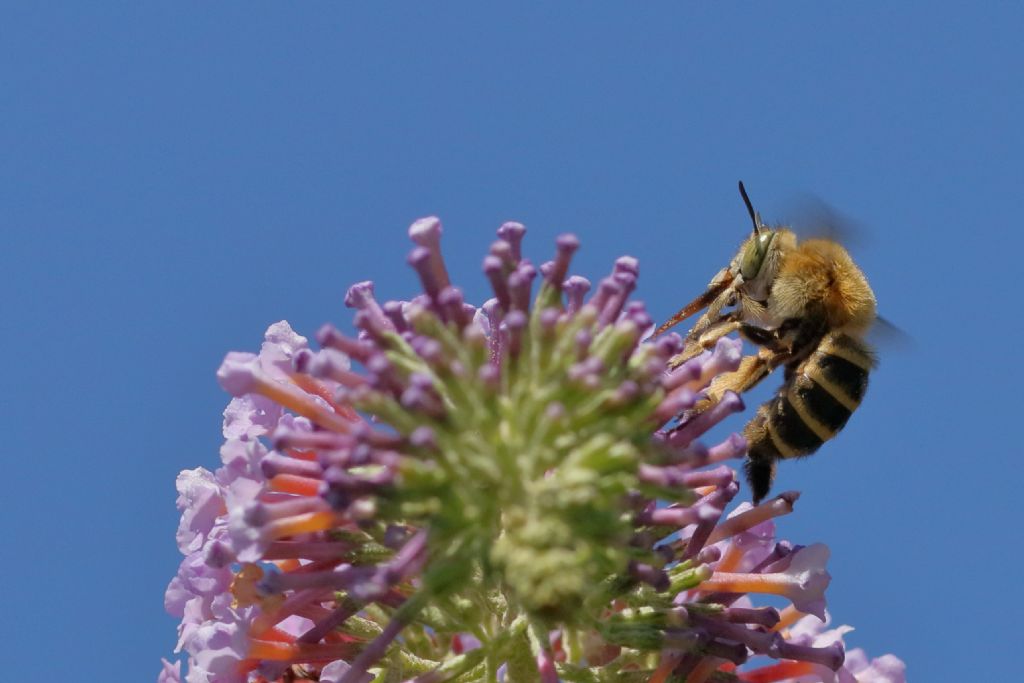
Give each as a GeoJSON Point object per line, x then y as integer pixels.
{"type": "Point", "coordinates": [749, 274]}
{"type": "Point", "coordinates": [756, 259]}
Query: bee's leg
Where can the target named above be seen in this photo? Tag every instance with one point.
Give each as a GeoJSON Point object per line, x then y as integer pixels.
{"type": "Point", "coordinates": [710, 331]}
{"type": "Point", "coordinates": [768, 339]}
{"type": "Point", "coordinates": [727, 324]}
{"type": "Point", "coordinates": [751, 371]}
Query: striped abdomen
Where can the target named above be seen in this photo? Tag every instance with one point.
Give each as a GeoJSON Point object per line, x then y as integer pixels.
{"type": "Point", "coordinates": [810, 408]}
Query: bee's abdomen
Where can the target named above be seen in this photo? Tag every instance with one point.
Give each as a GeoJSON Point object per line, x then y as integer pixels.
{"type": "Point", "coordinates": [817, 401]}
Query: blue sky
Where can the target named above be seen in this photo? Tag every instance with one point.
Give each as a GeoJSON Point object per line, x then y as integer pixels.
{"type": "Point", "coordinates": [173, 178]}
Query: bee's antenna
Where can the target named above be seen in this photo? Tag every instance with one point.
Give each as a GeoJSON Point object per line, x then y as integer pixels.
{"type": "Point", "coordinates": [755, 217]}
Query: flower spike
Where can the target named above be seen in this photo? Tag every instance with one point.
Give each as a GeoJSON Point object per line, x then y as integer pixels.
{"type": "Point", "coordinates": [466, 493]}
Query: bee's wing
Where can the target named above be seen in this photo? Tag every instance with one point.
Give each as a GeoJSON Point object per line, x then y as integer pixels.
{"type": "Point", "coordinates": [886, 335]}
{"type": "Point", "coordinates": [809, 216]}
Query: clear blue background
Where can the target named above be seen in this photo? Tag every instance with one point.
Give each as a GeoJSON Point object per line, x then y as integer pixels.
{"type": "Point", "coordinates": [175, 178]}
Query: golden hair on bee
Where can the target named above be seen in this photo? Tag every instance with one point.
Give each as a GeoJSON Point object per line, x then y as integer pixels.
{"type": "Point", "coordinates": [819, 270]}
{"type": "Point", "coordinates": [806, 306]}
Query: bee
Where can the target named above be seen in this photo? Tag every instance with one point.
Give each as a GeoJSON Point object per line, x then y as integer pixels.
{"type": "Point", "coordinates": [807, 307]}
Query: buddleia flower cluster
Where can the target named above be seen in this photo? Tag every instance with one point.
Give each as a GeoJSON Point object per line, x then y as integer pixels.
{"type": "Point", "coordinates": [493, 493]}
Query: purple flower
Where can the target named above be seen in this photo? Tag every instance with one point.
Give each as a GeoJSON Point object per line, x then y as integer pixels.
{"type": "Point", "coordinates": [884, 669]}
{"type": "Point", "coordinates": [811, 632]}
{"type": "Point", "coordinates": [250, 416]}
{"type": "Point", "coordinates": [335, 671]}
{"type": "Point", "coordinates": [217, 648]}
{"type": "Point", "coordinates": [201, 504]}
{"type": "Point", "coordinates": [808, 579]}
{"type": "Point", "coordinates": [169, 673]}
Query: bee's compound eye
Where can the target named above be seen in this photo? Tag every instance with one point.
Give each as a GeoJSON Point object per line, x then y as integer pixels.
{"type": "Point", "coordinates": [754, 254]}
